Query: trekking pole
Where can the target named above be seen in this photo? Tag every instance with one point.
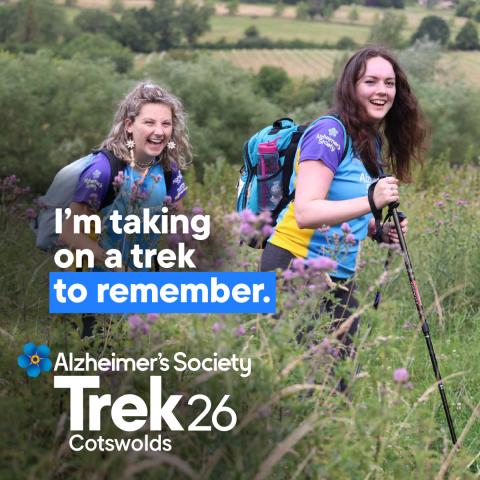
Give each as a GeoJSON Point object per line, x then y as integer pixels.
{"type": "Point", "coordinates": [378, 295]}
{"type": "Point", "coordinates": [392, 209]}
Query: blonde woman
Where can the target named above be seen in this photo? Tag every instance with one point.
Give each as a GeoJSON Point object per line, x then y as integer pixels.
{"type": "Point", "coordinates": [149, 144]}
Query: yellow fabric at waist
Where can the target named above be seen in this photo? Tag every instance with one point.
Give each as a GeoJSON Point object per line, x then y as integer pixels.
{"type": "Point", "coordinates": [289, 236]}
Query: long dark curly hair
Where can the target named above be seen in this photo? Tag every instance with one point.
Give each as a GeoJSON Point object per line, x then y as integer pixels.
{"type": "Point", "coordinates": [404, 127]}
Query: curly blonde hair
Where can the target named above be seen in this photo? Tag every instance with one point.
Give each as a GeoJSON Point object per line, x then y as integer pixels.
{"type": "Point", "coordinates": [147, 92]}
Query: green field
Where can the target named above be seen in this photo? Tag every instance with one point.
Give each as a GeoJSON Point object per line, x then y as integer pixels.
{"type": "Point", "coordinates": [286, 28]}
{"type": "Point", "coordinates": [232, 28]}
{"type": "Point", "coordinates": [318, 63]}
{"type": "Point", "coordinates": [297, 63]}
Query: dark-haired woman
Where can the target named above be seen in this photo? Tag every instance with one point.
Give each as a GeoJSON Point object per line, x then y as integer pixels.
{"type": "Point", "coordinates": [375, 125]}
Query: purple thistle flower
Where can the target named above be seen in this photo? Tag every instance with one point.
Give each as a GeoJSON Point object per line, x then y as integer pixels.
{"type": "Point", "coordinates": [322, 263]}
{"type": "Point", "coordinates": [345, 228]}
{"type": "Point", "coordinates": [30, 213]}
{"type": "Point", "coordinates": [267, 230]}
{"type": "Point", "coordinates": [264, 411]}
{"type": "Point", "coordinates": [135, 321]}
{"type": "Point", "coordinates": [298, 264]}
{"type": "Point", "coordinates": [247, 216]}
{"type": "Point", "coordinates": [247, 230]}
{"type": "Point", "coordinates": [167, 200]}
{"type": "Point", "coordinates": [288, 274]}
{"type": "Point", "coordinates": [462, 202]}
{"type": "Point", "coordinates": [440, 203]}
{"type": "Point", "coordinates": [265, 217]}
{"type": "Point", "coordinates": [144, 328]}
{"type": "Point", "coordinates": [197, 211]}
{"type": "Point", "coordinates": [350, 239]}
{"type": "Point", "coordinates": [240, 331]}
{"type": "Point", "coordinates": [400, 375]}
{"type": "Point", "coordinates": [324, 228]}
{"type": "Point", "coordinates": [216, 327]}
{"type": "Point", "coordinates": [119, 179]}
{"type": "Point", "coordinates": [326, 344]}
{"type": "Point", "coordinates": [152, 317]}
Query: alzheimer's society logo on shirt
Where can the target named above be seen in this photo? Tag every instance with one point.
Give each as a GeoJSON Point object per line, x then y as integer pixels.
{"type": "Point", "coordinates": [327, 141]}
{"type": "Point", "coordinates": [333, 132]}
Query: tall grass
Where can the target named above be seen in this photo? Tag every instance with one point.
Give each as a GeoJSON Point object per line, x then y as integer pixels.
{"type": "Point", "coordinates": [292, 423]}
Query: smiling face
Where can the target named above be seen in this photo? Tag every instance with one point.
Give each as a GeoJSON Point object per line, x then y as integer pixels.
{"type": "Point", "coordinates": [375, 89]}
{"type": "Point", "coordinates": [151, 130]}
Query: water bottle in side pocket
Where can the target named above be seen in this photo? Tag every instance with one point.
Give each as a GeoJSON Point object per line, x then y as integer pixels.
{"type": "Point", "coordinates": [269, 176]}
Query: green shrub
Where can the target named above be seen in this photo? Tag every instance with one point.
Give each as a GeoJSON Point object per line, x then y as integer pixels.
{"type": "Point", "coordinates": [98, 47]}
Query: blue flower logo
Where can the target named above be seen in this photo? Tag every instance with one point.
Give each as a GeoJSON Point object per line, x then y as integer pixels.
{"type": "Point", "coordinates": [35, 359]}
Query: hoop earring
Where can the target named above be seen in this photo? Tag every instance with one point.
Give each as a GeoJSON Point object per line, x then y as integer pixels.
{"type": "Point", "coordinates": [130, 143]}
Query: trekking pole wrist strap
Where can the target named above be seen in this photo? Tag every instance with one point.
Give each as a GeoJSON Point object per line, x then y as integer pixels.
{"type": "Point", "coordinates": [377, 214]}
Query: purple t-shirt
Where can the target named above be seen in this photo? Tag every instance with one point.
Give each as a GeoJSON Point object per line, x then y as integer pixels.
{"type": "Point", "coordinates": [92, 186]}
{"type": "Point", "coordinates": [324, 141]}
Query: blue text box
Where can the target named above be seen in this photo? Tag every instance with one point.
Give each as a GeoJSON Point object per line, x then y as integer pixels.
{"type": "Point", "coordinates": [163, 292]}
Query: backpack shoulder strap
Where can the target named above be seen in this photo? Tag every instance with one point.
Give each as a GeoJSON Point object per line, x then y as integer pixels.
{"type": "Point", "coordinates": [168, 174]}
{"type": "Point", "coordinates": [116, 165]}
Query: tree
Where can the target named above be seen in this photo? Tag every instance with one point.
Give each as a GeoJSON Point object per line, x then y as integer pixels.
{"type": "Point", "coordinates": [116, 6]}
{"type": "Point", "coordinates": [433, 27]}
{"type": "Point", "coordinates": [388, 31]}
{"type": "Point", "coordinates": [232, 7]}
{"type": "Point", "coordinates": [66, 108]}
{"type": "Point", "coordinates": [251, 32]}
{"type": "Point", "coordinates": [270, 80]}
{"type": "Point", "coordinates": [467, 37]}
{"type": "Point", "coordinates": [421, 59]}
{"type": "Point", "coordinates": [465, 8]}
{"type": "Point", "coordinates": [36, 23]}
{"type": "Point", "coordinates": [353, 15]}
{"type": "Point", "coordinates": [385, 3]}
{"type": "Point", "coordinates": [194, 19]}
{"type": "Point", "coordinates": [321, 8]}
{"type": "Point", "coordinates": [8, 22]}
{"type": "Point", "coordinates": [346, 43]}
{"type": "Point", "coordinates": [96, 21]}
{"type": "Point", "coordinates": [302, 11]}
{"type": "Point", "coordinates": [279, 8]}
{"type": "Point", "coordinates": [98, 47]}
{"type": "Point", "coordinates": [131, 35]}
{"type": "Point", "coordinates": [167, 25]}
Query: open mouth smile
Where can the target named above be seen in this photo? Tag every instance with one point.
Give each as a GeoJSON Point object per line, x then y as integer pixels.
{"type": "Point", "coordinates": [378, 103]}
{"type": "Point", "coordinates": [155, 141]}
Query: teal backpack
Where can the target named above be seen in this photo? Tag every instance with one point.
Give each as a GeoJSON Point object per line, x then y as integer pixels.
{"type": "Point", "coordinates": [268, 162]}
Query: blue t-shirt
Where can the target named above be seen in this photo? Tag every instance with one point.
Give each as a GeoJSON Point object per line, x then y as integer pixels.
{"type": "Point", "coordinates": [325, 141]}
{"type": "Point", "coordinates": [135, 192]}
